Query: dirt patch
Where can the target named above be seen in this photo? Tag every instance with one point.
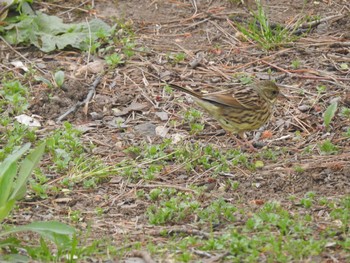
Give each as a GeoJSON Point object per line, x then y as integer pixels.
{"type": "Point", "coordinates": [165, 29]}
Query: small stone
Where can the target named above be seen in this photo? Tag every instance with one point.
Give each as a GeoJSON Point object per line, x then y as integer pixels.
{"type": "Point", "coordinates": [215, 80]}
{"type": "Point", "coordinates": [162, 131]}
{"type": "Point", "coordinates": [303, 108]}
{"type": "Point", "coordinates": [96, 116]}
{"type": "Point", "coordinates": [146, 129]}
{"type": "Point", "coordinates": [162, 115]}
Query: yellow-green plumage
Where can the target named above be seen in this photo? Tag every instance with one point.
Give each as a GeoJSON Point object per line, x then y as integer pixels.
{"type": "Point", "coordinates": [241, 109]}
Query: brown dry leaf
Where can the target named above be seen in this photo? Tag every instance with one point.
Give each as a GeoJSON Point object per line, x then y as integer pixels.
{"type": "Point", "coordinates": [257, 202]}
{"type": "Point", "coordinates": [216, 51]}
{"type": "Point", "coordinates": [266, 134]}
{"type": "Point", "coordinates": [92, 67]}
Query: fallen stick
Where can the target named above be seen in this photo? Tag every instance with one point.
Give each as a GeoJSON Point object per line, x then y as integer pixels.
{"type": "Point", "coordinates": [92, 90]}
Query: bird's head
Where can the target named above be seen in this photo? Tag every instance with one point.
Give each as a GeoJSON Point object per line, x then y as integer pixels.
{"type": "Point", "coordinates": [269, 90]}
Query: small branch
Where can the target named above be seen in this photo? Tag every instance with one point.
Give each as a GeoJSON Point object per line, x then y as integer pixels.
{"type": "Point", "coordinates": [177, 187]}
{"type": "Point", "coordinates": [92, 90]}
{"type": "Point", "coordinates": [326, 19]}
{"type": "Point", "coordinates": [144, 255]}
{"type": "Point", "coordinates": [188, 232]}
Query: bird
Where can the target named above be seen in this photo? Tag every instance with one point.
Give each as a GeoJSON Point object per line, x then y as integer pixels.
{"type": "Point", "coordinates": [241, 109]}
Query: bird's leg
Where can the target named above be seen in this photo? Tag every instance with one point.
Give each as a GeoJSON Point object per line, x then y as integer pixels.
{"type": "Point", "coordinates": [243, 142]}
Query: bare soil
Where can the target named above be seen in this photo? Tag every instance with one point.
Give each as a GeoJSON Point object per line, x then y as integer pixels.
{"type": "Point", "coordinates": [167, 28]}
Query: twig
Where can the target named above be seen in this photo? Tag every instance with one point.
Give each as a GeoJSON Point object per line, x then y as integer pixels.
{"type": "Point", "coordinates": [217, 258]}
{"type": "Point", "coordinates": [194, 4]}
{"type": "Point", "coordinates": [144, 255]}
{"type": "Point", "coordinates": [189, 232]}
{"type": "Point", "coordinates": [86, 101]}
{"type": "Point", "coordinates": [317, 22]}
{"type": "Point", "coordinates": [19, 54]}
{"type": "Point", "coordinates": [291, 72]}
{"type": "Point", "coordinates": [178, 187]}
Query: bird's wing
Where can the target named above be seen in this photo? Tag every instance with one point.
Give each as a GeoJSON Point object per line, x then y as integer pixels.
{"type": "Point", "coordinates": [243, 98]}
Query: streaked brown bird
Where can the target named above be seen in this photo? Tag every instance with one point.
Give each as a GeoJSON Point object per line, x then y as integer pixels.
{"type": "Point", "coordinates": [241, 109]}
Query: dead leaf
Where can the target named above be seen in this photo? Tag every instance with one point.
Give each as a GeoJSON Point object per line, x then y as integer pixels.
{"type": "Point", "coordinates": [257, 202]}
{"type": "Point", "coordinates": [28, 121]}
{"type": "Point", "coordinates": [92, 67]}
{"type": "Point", "coordinates": [266, 134]}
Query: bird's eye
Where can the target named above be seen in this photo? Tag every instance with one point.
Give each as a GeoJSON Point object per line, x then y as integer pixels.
{"type": "Point", "coordinates": [274, 92]}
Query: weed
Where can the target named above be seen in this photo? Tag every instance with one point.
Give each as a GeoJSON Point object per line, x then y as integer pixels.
{"type": "Point", "coordinates": [345, 112]}
{"type": "Point", "coordinates": [342, 213]}
{"type": "Point", "coordinates": [329, 114]}
{"type": "Point", "coordinates": [192, 115]}
{"type": "Point", "coordinates": [246, 79]}
{"type": "Point", "coordinates": [176, 209]}
{"type": "Point", "coordinates": [114, 60]}
{"type": "Point", "coordinates": [75, 215]}
{"type": "Point", "coordinates": [267, 36]}
{"type": "Point", "coordinates": [307, 150]}
{"type": "Point", "coordinates": [295, 64]}
{"type": "Point", "coordinates": [14, 135]}
{"type": "Point", "coordinates": [235, 1]}
{"type": "Point", "coordinates": [196, 128]}
{"type": "Point", "coordinates": [64, 146]}
{"type": "Point", "coordinates": [347, 133]}
{"type": "Point", "coordinates": [218, 211]}
{"type": "Point", "coordinates": [176, 58]}
{"type": "Point", "coordinates": [140, 194]}
{"type": "Point", "coordinates": [321, 89]}
{"type": "Point", "coordinates": [299, 169]}
{"type": "Point", "coordinates": [327, 147]}
{"type": "Point", "coordinates": [59, 78]}
{"type": "Point", "coordinates": [154, 194]}
{"type": "Point", "coordinates": [15, 98]}
{"type": "Point", "coordinates": [306, 202]}
{"type": "Point", "coordinates": [128, 49]}
{"type": "Point", "coordinates": [269, 154]}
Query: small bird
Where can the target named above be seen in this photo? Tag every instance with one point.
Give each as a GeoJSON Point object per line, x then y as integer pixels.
{"type": "Point", "coordinates": [241, 109]}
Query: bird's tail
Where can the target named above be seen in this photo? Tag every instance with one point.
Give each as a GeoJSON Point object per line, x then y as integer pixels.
{"type": "Point", "coordinates": [186, 90]}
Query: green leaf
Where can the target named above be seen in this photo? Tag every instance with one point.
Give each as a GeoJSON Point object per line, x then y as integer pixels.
{"type": "Point", "coordinates": [344, 66]}
{"type": "Point", "coordinates": [43, 80]}
{"type": "Point", "coordinates": [13, 158]}
{"type": "Point", "coordinates": [26, 168]}
{"type": "Point", "coordinates": [49, 33]}
{"type": "Point", "coordinates": [329, 114]}
{"type": "Point", "coordinates": [42, 228]}
{"type": "Point", "coordinates": [259, 164]}
{"type": "Point", "coordinates": [5, 210]}
{"type": "Point", "coordinates": [6, 183]}
{"type": "Point", "coordinates": [59, 78]}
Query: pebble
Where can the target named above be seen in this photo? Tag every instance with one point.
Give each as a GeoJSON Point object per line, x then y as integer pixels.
{"type": "Point", "coordinates": [303, 108]}
{"type": "Point", "coordinates": [146, 129]}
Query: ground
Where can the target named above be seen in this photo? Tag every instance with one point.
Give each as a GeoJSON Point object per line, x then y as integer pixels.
{"type": "Point", "coordinates": [290, 162]}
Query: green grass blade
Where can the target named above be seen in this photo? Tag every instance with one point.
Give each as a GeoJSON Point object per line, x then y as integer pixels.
{"type": "Point", "coordinates": [13, 158]}
{"type": "Point", "coordinates": [26, 168]}
{"type": "Point", "coordinates": [6, 183]}
{"type": "Point", "coordinates": [329, 114]}
{"type": "Point", "coordinates": [42, 227]}
{"type": "Point", "coordinates": [5, 210]}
